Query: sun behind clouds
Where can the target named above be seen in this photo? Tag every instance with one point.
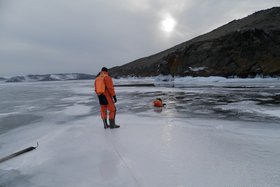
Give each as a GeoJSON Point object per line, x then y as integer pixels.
{"type": "Point", "coordinates": [168, 24]}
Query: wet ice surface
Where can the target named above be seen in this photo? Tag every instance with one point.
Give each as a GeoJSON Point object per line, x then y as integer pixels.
{"type": "Point", "coordinates": [213, 132]}
{"type": "Point", "coordinates": [223, 100]}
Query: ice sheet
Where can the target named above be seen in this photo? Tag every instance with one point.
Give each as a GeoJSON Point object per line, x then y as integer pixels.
{"type": "Point", "coordinates": [147, 151]}
{"type": "Point", "coordinates": [77, 109]}
{"type": "Point", "coordinates": [218, 135]}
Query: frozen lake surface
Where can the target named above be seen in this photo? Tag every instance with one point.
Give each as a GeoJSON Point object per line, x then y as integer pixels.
{"type": "Point", "coordinates": [212, 132]}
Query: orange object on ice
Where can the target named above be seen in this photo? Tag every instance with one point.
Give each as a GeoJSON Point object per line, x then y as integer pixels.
{"type": "Point", "coordinates": [158, 103]}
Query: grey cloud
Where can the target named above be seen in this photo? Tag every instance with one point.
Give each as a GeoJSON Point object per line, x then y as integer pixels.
{"type": "Point", "coordinates": [66, 35]}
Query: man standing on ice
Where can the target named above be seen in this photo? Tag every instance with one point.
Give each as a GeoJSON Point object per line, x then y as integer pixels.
{"type": "Point", "coordinates": [104, 88]}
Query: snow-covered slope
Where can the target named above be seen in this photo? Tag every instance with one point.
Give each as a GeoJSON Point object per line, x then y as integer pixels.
{"type": "Point", "coordinates": [50, 77]}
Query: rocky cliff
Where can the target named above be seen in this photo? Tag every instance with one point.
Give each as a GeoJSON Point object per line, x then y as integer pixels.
{"type": "Point", "coordinates": [243, 48]}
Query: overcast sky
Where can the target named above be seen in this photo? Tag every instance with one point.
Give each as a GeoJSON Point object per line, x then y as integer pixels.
{"type": "Point", "coordinates": [63, 36]}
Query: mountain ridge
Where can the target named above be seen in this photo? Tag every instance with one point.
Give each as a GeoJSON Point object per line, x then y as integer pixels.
{"type": "Point", "coordinates": [49, 77]}
{"type": "Point", "coordinates": [262, 27]}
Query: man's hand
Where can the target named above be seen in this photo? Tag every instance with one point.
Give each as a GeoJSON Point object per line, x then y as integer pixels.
{"type": "Point", "coordinates": [115, 99]}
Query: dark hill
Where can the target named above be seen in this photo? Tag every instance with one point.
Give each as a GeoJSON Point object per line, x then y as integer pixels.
{"type": "Point", "coordinates": [244, 48]}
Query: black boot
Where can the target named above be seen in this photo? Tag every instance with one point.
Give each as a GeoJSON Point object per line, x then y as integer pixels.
{"type": "Point", "coordinates": [113, 124]}
{"type": "Point", "coordinates": [105, 124]}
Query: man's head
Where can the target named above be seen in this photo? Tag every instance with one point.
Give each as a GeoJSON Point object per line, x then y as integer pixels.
{"type": "Point", "coordinates": [159, 99]}
{"type": "Point", "coordinates": [104, 69]}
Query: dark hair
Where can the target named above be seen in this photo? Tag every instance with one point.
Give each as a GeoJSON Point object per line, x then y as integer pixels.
{"type": "Point", "coordinates": [104, 69]}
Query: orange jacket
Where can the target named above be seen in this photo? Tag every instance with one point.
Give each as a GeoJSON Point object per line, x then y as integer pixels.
{"type": "Point", "coordinates": [158, 103]}
{"type": "Point", "coordinates": [110, 90]}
